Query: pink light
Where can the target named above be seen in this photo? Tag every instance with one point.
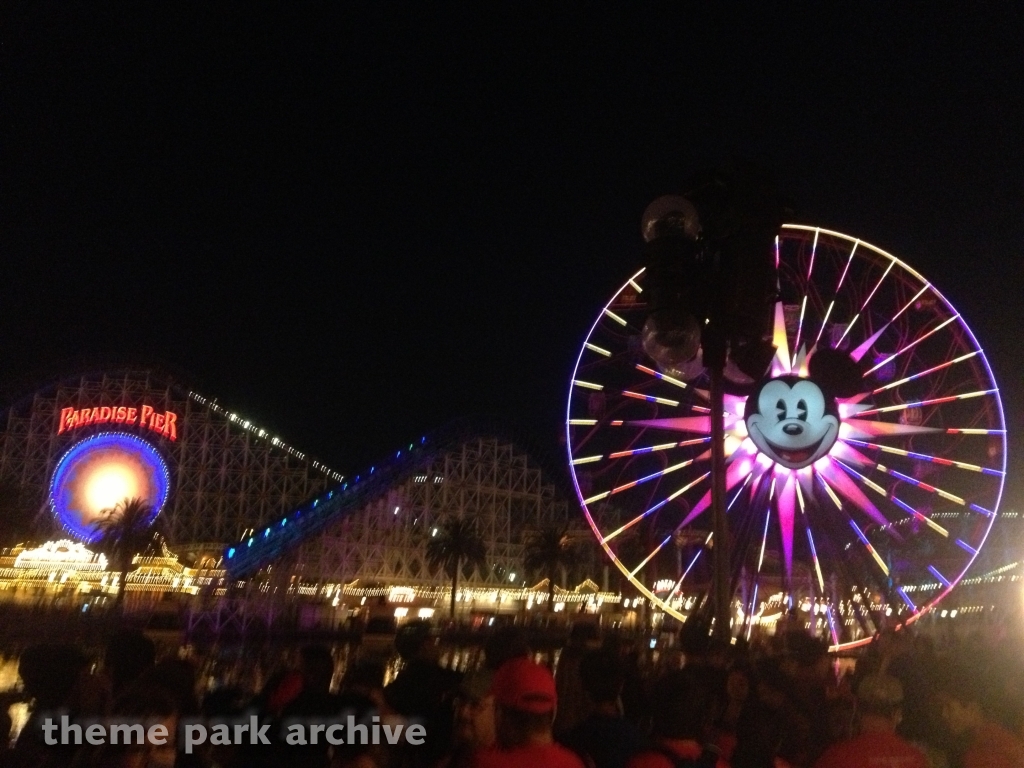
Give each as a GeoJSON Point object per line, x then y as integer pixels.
{"type": "Point", "coordinates": [787, 508]}
{"type": "Point", "coordinates": [912, 344]}
{"type": "Point", "coordinates": [701, 424]}
{"type": "Point", "coordinates": [842, 483]}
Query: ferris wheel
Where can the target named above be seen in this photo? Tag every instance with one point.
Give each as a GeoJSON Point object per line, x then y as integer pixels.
{"type": "Point", "coordinates": [851, 508]}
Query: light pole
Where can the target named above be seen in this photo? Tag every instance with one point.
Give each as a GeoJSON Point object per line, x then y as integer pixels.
{"type": "Point", "coordinates": [712, 285]}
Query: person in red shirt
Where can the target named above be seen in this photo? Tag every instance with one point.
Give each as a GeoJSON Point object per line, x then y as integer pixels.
{"type": "Point", "coordinates": [687, 703]}
{"type": "Point", "coordinates": [879, 705]}
{"type": "Point", "coordinates": [524, 713]}
{"type": "Point", "coordinates": [987, 744]}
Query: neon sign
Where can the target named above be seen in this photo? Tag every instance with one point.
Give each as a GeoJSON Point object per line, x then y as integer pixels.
{"type": "Point", "coordinates": [165, 423]}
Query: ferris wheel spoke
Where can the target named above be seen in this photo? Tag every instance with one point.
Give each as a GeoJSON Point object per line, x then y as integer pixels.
{"type": "Point", "coordinates": [831, 304]}
{"type": "Point", "coordinates": [760, 557]}
{"type": "Point", "coordinates": [867, 301]}
{"type": "Point", "coordinates": [638, 451]}
{"type": "Point", "coordinates": [652, 476]}
{"type": "Point", "coordinates": [906, 599]}
{"type": "Point", "coordinates": [932, 401]}
{"type": "Point", "coordinates": [650, 557]}
{"type": "Point", "coordinates": [925, 457]}
{"type": "Point", "coordinates": [710, 536]}
{"type": "Point", "coordinates": [829, 476]}
{"type": "Point", "coordinates": [897, 501]}
{"type": "Point", "coordinates": [863, 349]}
{"type": "Point", "coordinates": [923, 486]}
{"type": "Point", "coordinates": [935, 572]}
{"type": "Point", "coordinates": [733, 474]}
{"type": "Point", "coordinates": [807, 289]}
{"type": "Point", "coordinates": [671, 497]}
{"type": "Point", "coordinates": [686, 572]}
{"type": "Point", "coordinates": [810, 537]}
{"type": "Point", "coordinates": [674, 382]}
{"type": "Point", "coordinates": [855, 428]}
{"type": "Point", "coordinates": [650, 398]}
{"type": "Point", "coordinates": [619, 320]}
{"type": "Point", "coordinates": [661, 447]}
{"type": "Point", "coordinates": [829, 599]}
{"type": "Point", "coordinates": [699, 424]}
{"type": "Point", "coordinates": [867, 545]}
{"type": "Point", "coordinates": [933, 369]}
{"type": "Point", "coordinates": [912, 344]}
{"type": "Point", "coordinates": [967, 548]}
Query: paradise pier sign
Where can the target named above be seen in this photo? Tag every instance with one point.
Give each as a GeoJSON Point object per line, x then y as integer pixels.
{"type": "Point", "coordinates": [164, 423]}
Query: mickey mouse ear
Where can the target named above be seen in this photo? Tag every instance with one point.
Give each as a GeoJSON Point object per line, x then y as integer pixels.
{"type": "Point", "coordinates": [836, 372]}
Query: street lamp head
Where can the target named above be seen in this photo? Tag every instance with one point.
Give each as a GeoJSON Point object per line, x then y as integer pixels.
{"type": "Point", "coordinates": [670, 214]}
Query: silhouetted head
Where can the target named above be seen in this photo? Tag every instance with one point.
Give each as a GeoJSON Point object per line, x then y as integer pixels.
{"type": "Point", "coordinates": [49, 672]}
{"type": "Point", "coordinates": [506, 643]}
{"type": "Point", "coordinates": [129, 653]}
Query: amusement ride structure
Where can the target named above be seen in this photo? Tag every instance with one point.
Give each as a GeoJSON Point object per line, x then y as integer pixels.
{"type": "Point", "coordinates": [863, 472]}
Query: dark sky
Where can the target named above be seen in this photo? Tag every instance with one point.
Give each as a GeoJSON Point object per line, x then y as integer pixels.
{"type": "Point", "coordinates": [353, 222]}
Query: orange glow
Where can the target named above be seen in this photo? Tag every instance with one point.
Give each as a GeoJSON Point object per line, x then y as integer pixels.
{"type": "Point", "coordinates": [109, 484]}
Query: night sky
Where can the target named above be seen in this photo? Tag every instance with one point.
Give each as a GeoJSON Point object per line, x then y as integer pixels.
{"type": "Point", "coordinates": [353, 223]}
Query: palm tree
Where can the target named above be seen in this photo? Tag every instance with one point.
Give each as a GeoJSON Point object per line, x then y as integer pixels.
{"type": "Point", "coordinates": [547, 550]}
{"type": "Point", "coordinates": [126, 529]}
{"type": "Point", "coordinates": [456, 542]}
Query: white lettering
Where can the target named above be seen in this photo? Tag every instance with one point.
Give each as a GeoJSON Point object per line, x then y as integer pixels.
{"type": "Point", "coordinates": [195, 734]}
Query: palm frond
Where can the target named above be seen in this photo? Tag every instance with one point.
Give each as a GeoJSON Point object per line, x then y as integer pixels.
{"type": "Point", "coordinates": [457, 543]}
{"type": "Point", "coordinates": [550, 548]}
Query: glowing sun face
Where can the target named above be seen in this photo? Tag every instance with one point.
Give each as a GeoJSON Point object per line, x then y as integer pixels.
{"type": "Point", "coordinates": [101, 471]}
{"type": "Point", "coordinates": [791, 421]}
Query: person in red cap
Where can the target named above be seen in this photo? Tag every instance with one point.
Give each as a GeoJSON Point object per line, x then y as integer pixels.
{"type": "Point", "coordinates": [524, 700]}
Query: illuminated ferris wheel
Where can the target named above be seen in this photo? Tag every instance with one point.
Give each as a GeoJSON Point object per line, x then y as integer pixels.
{"type": "Point", "coordinates": [858, 505]}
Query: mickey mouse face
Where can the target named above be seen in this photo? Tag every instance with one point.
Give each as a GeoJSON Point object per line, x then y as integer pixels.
{"type": "Point", "coordinates": [792, 421]}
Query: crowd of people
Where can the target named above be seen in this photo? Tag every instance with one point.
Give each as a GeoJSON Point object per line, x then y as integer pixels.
{"type": "Point", "coordinates": [775, 705]}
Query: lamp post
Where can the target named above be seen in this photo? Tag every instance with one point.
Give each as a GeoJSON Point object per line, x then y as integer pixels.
{"type": "Point", "coordinates": [710, 270]}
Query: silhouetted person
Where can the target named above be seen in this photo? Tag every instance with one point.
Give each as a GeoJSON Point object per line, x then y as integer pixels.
{"type": "Point", "coordinates": [879, 706]}
{"type": "Point", "coordinates": [572, 700]}
{"type": "Point", "coordinates": [506, 643]}
{"type": "Point", "coordinates": [129, 653]}
{"type": "Point", "coordinates": [966, 712]}
{"type": "Point", "coordinates": [149, 705]}
{"type": "Point", "coordinates": [423, 691]}
{"type": "Point", "coordinates": [686, 704]}
{"type": "Point", "coordinates": [50, 673]}
{"type": "Point", "coordinates": [474, 720]}
{"type": "Point", "coordinates": [314, 703]}
{"type": "Point", "coordinates": [605, 738]}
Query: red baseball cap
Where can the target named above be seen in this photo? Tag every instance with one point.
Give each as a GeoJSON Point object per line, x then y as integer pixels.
{"type": "Point", "coordinates": [524, 685]}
